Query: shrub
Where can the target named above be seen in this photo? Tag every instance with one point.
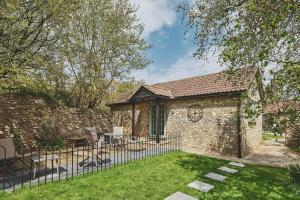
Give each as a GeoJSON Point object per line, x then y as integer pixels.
{"type": "Point", "coordinates": [49, 137]}
{"type": "Point", "coordinates": [17, 139]}
{"type": "Point", "coordinates": [294, 171]}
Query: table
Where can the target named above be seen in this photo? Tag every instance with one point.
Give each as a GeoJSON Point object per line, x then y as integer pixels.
{"type": "Point", "coordinates": [112, 137]}
{"type": "Point", "coordinates": [76, 141]}
{"type": "Point", "coordinates": [44, 158]}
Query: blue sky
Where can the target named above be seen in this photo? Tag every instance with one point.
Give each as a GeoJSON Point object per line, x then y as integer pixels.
{"type": "Point", "coordinates": [172, 50]}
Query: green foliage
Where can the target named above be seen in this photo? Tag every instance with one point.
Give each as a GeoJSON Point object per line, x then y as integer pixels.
{"type": "Point", "coordinates": [294, 171]}
{"type": "Point", "coordinates": [102, 110]}
{"type": "Point", "coordinates": [49, 137]}
{"type": "Point", "coordinates": [295, 149]}
{"type": "Point", "coordinates": [120, 88]}
{"type": "Point", "coordinates": [84, 111]}
{"type": "Point", "coordinates": [16, 136]}
{"type": "Point", "coordinates": [109, 48]}
{"type": "Point", "coordinates": [70, 50]}
{"type": "Point", "coordinates": [260, 33]}
{"type": "Point", "coordinates": [28, 36]}
{"type": "Point", "coordinates": [128, 86]}
{"type": "Point", "coordinates": [271, 136]}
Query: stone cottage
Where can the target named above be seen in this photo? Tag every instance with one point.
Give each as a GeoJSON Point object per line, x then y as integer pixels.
{"type": "Point", "coordinates": [207, 110]}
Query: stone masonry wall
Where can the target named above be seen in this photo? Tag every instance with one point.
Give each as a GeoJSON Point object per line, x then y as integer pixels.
{"type": "Point", "coordinates": [122, 115]}
{"type": "Point", "coordinates": [293, 136]}
{"type": "Point", "coordinates": [208, 125]}
{"type": "Point", "coordinates": [26, 112]}
{"type": "Point", "coordinates": [251, 134]}
{"type": "Point", "coordinates": [251, 128]}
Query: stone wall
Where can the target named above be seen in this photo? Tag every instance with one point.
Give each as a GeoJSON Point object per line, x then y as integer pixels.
{"type": "Point", "coordinates": [26, 113]}
{"type": "Point", "coordinates": [122, 115]}
{"type": "Point", "coordinates": [251, 128]}
{"type": "Point", "coordinates": [293, 136]}
{"type": "Point", "coordinates": [208, 125]}
{"type": "Point", "coordinates": [251, 134]}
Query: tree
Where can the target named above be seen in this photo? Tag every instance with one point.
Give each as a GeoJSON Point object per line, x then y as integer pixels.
{"type": "Point", "coordinates": [69, 50]}
{"type": "Point", "coordinates": [102, 43]}
{"type": "Point", "coordinates": [119, 89]}
{"type": "Point", "coordinates": [28, 35]}
{"type": "Point", "coordinates": [261, 33]}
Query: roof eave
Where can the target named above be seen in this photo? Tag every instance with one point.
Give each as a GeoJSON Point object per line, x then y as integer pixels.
{"type": "Point", "coordinates": [226, 93]}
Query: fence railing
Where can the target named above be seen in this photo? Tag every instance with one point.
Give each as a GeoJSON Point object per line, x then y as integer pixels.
{"type": "Point", "coordinates": [42, 166]}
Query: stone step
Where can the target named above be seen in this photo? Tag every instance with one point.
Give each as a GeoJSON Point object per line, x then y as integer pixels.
{"type": "Point", "coordinates": [180, 196]}
{"type": "Point", "coordinates": [199, 185]}
{"type": "Point", "coordinates": [237, 164]}
{"type": "Point", "coordinates": [228, 170]}
{"type": "Point", "coordinates": [215, 176]}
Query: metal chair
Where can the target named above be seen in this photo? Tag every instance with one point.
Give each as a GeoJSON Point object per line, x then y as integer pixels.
{"type": "Point", "coordinates": [118, 130]}
{"type": "Point", "coordinates": [93, 141]}
{"type": "Point", "coordinates": [8, 152]}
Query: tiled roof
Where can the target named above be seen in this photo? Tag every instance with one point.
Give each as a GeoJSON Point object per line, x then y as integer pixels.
{"type": "Point", "coordinates": [216, 83]}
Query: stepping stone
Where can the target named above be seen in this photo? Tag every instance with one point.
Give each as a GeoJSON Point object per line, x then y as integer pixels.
{"type": "Point", "coordinates": [228, 170]}
{"type": "Point", "coordinates": [199, 185]}
{"type": "Point", "coordinates": [180, 196]}
{"type": "Point", "coordinates": [237, 164]}
{"type": "Point", "coordinates": [215, 176]}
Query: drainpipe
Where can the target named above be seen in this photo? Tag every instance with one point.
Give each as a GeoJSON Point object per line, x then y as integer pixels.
{"type": "Point", "coordinates": [157, 123]}
{"type": "Point", "coordinates": [239, 137]}
{"type": "Point", "coordinates": [133, 120]}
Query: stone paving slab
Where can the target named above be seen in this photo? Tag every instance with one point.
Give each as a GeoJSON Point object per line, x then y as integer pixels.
{"type": "Point", "coordinates": [215, 176]}
{"type": "Point", "coordinates": [228, 170]}
{"type": "Point", "coordinates": [180, 196]}
{"type": "Point", "coordinates": [237, 164]}
{"type": "Point", "coordinates": [199, 185]}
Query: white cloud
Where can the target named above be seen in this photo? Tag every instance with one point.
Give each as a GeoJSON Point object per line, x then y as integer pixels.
{"type": "Point", "coordinates": [155, 14]}
{"type": "Point", "coordinates": [185, 66]}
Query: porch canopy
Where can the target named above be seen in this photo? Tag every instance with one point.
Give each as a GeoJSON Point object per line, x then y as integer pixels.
{"type": "Point", "coordinates": [147, 94]}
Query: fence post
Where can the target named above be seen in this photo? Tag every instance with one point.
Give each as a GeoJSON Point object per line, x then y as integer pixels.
{"type": "Point", "coordinates": [72, 161]}
{"type": "Point", "coordinates": [4, 167]}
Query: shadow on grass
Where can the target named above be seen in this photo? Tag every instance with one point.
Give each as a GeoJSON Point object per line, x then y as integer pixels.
{"type": "Point", "coordinates": [251, 182]}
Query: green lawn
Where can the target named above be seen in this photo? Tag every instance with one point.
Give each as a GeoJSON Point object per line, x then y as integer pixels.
{"type": "Point", "coordinates": [157, 178]}
{"type": "Point", "coordinates": [270, 136]}
{"type": "Point", "coordinates": [297, 150]}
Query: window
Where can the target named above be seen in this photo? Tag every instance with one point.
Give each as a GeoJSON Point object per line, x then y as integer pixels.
{"type": "Point", "coordinates": [161, 118]}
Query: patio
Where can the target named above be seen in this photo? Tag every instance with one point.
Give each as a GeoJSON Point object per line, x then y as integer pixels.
{"type": "Point", "coordinates": [75, 161]}
{"type": "Point", "coordinates": [269, 152]}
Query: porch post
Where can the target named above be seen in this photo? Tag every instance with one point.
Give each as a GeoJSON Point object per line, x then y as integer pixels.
{"type": "Point", "coordinates": [133, 120]}
{"type": "Point", "coordinates": [157, 123]}
{"type": "Point", "coordinates": [239, 137]}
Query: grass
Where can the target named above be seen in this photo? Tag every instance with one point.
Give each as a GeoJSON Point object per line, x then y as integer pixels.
{"type": "Point", "coordinates": [158, 177]}
{"type": "Point", "coordinates": [297, 150]}
{"type": "Point", "coordinates": [270, 136]}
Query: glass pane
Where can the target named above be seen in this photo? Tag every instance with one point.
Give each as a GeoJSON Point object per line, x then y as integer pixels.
{"type": "Point", "coordinates": [161, 119]}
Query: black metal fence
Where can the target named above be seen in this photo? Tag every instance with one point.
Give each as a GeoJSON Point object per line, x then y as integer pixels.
{"type": "Point", "coordinates": [42, 166]}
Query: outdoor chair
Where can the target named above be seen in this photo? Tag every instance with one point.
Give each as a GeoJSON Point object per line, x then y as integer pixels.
{"type": "Point", "coordinates": [93, 142]}
{"type": "Point", "coordinates": [116, 138]}
{"type": "Point", "coordinates": [110, 138]}
{"type": "Point", "coordinates": [118, 130]}
{"type": "Point", "coordinates": [8, 153]}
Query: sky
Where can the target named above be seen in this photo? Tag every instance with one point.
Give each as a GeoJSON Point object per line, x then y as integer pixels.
{"type": "Point", "coordinates": [172, 50]}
